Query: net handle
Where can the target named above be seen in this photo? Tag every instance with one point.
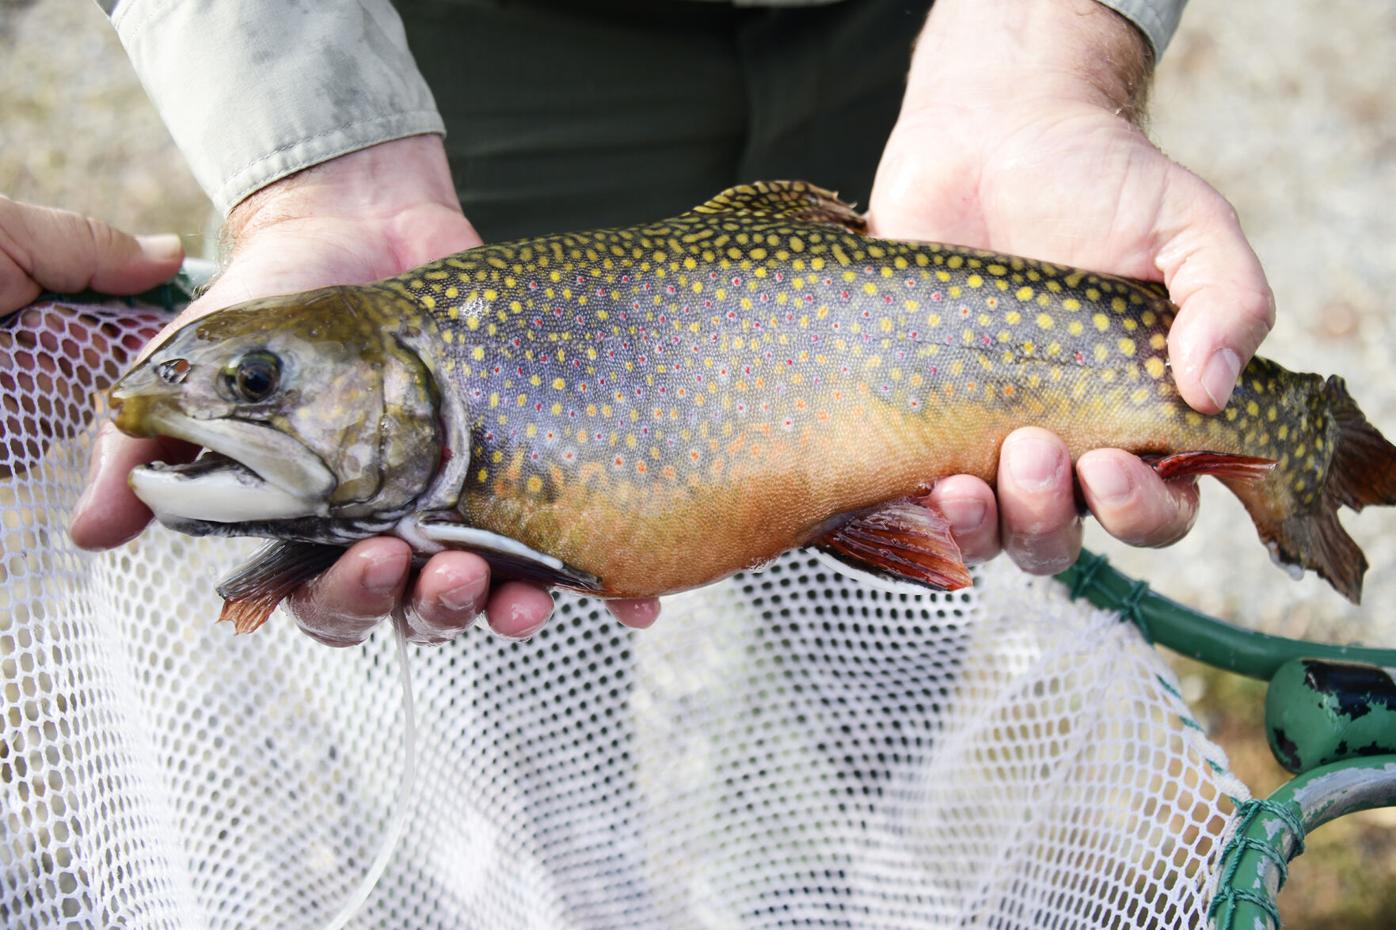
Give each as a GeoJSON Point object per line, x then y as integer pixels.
{"type": "Point", "coordinates": [1270, 832]}
{"type": "Point", "coordinates": [1197, 635]}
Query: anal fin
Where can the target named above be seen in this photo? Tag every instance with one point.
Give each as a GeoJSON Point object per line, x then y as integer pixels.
{"type": "Point", "coordinates": [1216, 464]}
{"type": "Point", "coordinates": [907, 540]}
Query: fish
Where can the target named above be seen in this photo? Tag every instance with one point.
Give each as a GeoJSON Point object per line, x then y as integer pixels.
{"type": "Point", "coordinates": [631, 412]}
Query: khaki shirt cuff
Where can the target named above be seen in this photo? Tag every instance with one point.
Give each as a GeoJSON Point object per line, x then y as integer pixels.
{"type": "Point", "coordinates": [1157, 19]}
{"type": "Point", "coordinates": [258, 89]}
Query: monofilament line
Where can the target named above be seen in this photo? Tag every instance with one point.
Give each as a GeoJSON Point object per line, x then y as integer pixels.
{"type": "Point", "coordinates": [359, 897]}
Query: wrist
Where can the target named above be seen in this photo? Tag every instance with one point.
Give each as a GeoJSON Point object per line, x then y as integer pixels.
{"type": "Point", "coordinates": [381, 182]}
{"type": "Point", "coordinates": [975, 53]}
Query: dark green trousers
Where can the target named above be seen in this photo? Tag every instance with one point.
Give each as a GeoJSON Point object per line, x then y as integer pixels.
{"type": "Point", "coordinates": [566, 114]}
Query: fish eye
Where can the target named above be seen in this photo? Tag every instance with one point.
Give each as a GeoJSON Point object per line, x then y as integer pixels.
{"type": "Point", "coordinates": [254, 377]}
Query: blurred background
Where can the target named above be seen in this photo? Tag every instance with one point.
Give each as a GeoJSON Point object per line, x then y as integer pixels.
{"type": "Point", "coordinates": [1287, 108]}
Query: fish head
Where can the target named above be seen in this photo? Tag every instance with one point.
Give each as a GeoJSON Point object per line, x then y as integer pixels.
{"type": "Point", "coordinates": [318, 418]}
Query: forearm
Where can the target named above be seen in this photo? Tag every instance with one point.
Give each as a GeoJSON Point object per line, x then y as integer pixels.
{"type": "Point", "coordinates": [1025, 50]}
{"type": "Point", "coordinates": [255, 91]}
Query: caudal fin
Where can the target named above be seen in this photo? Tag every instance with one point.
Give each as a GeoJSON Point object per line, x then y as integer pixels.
{"type": "Point", "coordinates": [1302, 529]}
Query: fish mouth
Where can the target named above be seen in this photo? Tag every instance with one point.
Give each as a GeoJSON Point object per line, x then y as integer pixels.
{"type": "Point", "coordinates": [248, 472]}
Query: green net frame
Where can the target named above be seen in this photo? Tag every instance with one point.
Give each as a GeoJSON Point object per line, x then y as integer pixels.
{"type": "Point", "coordinates": [1267, 833]}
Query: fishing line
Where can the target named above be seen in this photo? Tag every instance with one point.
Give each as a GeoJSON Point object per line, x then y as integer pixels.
{"type": "Point", "coordinates": [359, 897]}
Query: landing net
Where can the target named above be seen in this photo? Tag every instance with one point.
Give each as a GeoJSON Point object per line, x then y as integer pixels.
{"type": "Point", "coordinates": [784, 749]}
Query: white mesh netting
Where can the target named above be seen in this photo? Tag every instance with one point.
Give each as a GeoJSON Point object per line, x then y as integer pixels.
{"type": "Point", "coordinates": [785, 749]}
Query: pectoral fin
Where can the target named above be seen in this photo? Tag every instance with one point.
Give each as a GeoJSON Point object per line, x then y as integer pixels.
{"type": "Point", "coordinates": [507, 557]}
{"type": "Point", "coordinates": [906, 540]}
{"type": "Point", "coordinates": [252, 592]}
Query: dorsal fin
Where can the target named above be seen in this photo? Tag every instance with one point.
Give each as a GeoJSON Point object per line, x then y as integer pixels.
{"type": "Point", "coordinates": [791, 200]}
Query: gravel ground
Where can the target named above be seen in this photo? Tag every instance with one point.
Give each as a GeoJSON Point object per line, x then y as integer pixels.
{"type": "Point", "coordinates": [1285, 107]}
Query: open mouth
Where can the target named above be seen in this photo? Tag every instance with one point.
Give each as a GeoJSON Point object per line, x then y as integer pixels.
{"type": "Point", "coordinates": [247, 472]}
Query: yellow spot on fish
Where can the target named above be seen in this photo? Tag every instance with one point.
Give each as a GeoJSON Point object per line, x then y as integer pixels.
{"type": "Point", "coordinates": [1154, 366]}
{"type": "Point", "coordinates": [559, 384]}
{"type": "Point", "coordinates": [535, 484]}
{"type": "Point", "coordinates": [1044, 320]}
{"type": "Point", "coordinates": [1126, 346]}
{"type": "Point", "coordinates": [1101, 321]}
{"type": "Point", "coordinates": [1023, 293]}
{"type": "Point", "coordinates": [974, 280]}
{"type": "Point", "coordinates": [1071, 303]}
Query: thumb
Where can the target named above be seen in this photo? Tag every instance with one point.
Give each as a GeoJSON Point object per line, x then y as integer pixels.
{"type": "Point", "coordinates": [1225, 306]}
{"type": "Point", "coordinates": [109, 513]}
{"type": "Point", "coordinates": [43, 248]}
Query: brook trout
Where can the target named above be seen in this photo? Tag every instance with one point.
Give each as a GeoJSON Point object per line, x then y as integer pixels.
{"type": "Point", "coordinates": [633, 412]}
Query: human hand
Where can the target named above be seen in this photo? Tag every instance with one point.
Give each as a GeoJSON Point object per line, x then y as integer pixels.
{"type": "Point", "coordinates": [358, 218]}
{"type": "Point", "coordinates": [1015, 136]}
{"type": "Point", "coordinates": [49, 361]}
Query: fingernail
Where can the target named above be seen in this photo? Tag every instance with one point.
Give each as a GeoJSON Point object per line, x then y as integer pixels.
{"type": "Point", "coordinates": [1109, 483]}
{"type": "Point", "coordinates": [515, 613]}
{"type": "Point", "coordinates": [462, 595]}
{"type": "Point", "coordinates": [94, 467]}
{"type": "Point", "coordinates": [1035, 462]}
{"type": "Point", "coordinates": [163, 247]}
{"type": "Point", "coordinates": [383, 574]}
{"type": "Point", "coordinates": [1219, 377]}
{"type": "Point", "coordinates": [966, 514]}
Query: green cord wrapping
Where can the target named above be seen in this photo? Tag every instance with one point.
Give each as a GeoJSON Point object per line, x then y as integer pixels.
{"type": "Point", "coordinates": [1227, 896]}
{"type": "Point", "coordinates": [1195, 634]}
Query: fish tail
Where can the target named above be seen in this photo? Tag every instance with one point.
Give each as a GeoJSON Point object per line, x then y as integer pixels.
{"type": "Point", "coordinates": [1296, 510]}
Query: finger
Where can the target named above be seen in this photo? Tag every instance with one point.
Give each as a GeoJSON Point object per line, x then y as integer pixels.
{"type": "Point", "coordinates": [1037, 508]}
{"type": "Point", "coordinates": [518, 610]}
{"type": "Point", "coordinates": [638, 613]}
{"type": "Point", "coordinates": [451, 591]}
{"type": "Point", "coordinates": [109, 513]}
{"type": "Point", "coordinates": [1225, 306]}
{"type": "Point", "coordinates": [1132, 502]}
{"type": "Point", "coordinates": [968, 503]}
{"type": "Point", "coordinates": [61, 251]}
{"type": "Point", "coordinates": [340, 607]}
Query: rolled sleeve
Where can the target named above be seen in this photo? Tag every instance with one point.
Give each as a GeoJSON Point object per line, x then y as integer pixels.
{"type": "Point", "coordinates": [1157, 19]}
{"type": "Point", "coordinates": [255, 90]}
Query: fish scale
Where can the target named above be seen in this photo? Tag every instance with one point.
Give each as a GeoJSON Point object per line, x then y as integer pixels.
{"type": "Point", "coordinates": [636, 411]}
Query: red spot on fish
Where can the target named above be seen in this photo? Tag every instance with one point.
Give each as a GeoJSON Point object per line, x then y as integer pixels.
{"type": "Point", "coordinates": [936, 296]}
{"type": "Point", "coordinates": [986, 340]}
{"type": "Point", "coordinates": [844, 293]}
{"type": "Point", "coordinates": [886, 298]}
{"type": "Point", "coordinates": [1079, 356]}
{"type": "Point", "coordinates": [964, 313]}
{"type": "Point", "coordinates": [533, 285]}
{"type": "Point", "coordinates": [736, 280]}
